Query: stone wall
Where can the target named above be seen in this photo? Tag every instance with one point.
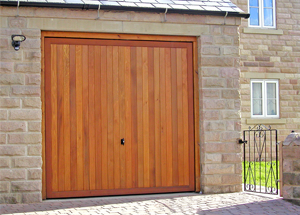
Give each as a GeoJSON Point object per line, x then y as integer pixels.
{"type": "Point", "coordinates": [291, 172]}
{"type": "Point", "coordinates": [21, 113]}
{"type": "Point", "coordinates": [273, 54]}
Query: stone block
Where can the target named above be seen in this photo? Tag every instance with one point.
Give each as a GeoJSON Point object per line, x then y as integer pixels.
{"type": "Point", "coordinates": [213, 83]}
{"type": "Point", "coordinates": [4, 162]}
{"type": "Point", "coordinates": [12, 174]}
{"type": "Point", "coordinates": [251, 64]}
{"type": "Point", "coordinates": [31, 197]}
{"type": "Point", "coordinates": [4, 44]}
{"type": "Point", "coordinates": [12, 150]}
{"type": "Point", "coordinates": [212, 180]}
{"type": "Point", "coordinates": [230, 114]}
{"type": "Point", "coordinates": [296, 167]}
{"type": "Point", "coordinates": [219, 169]}
{"type": "Point", "coordinates": [33, 56]}
{"type": "Point", "coordinates": [211, 93]}
{"type": "Point", "coordinates": [213, 158]}
{"type": "Point", "coordinates": [6, 67]}
{"type": "Point", "coordinates": [28, 138]}
{"type": "Point", "coordinates": [212, 136]}
{"type": "Point", "coordinates": [207, 40]}
{"type": "Point", "coordinates": [35, 150]}
{"type": "Point", "coordinates": [32, 32]}
{"type": "Point", "coordinates": [231, 179]}
{"type": "Point", "coordinates": [27, 162]}
{"type": "Point", "coordinates": [4, 90]}
{"type": "Point", "coordinates": [223, 40]}
{"type": "Point", "coordinates": [2, 138]}
{"type": "Point", "coordinates": [230, 72]}
{"type": "Point", "coordinates": [10, 55]}
{"type": "Point", "coordinates": [262, 58]}
{"type": "Point", "coordinates": [9, 103]}
{"type": "Point", "coordinates": [4, 187]}
{"type": "Point", "coordinates": [214, 104]}
{"type": "Point", "coordinates": [287, 192]}
{"type": "Point", "coordinates": [26, 90]}
{"type": "Point", "coordinates": [33, 79]}
{"type": "Point", "coordinates": [31, 103]}
{"type": "Point", "coordinates": [211, 50]}
{"type": "Point", "coordinates": [26, 186]}
{"type": "Point", "coordinates": [12, 126]}
{"type": "Point", "coordinates": [230, 94]}
{"type": "Point", "coordinates": [34, 126]}
{"type": "Point", "coordinates": [214, 126]}
{"type": "Point", "coordinates": [32, 43]}
{"type": "Point", "coordinates": [218, 61]}
{"type": "Point", "coordinates": [25, 114]}
{"type": "Point", "coordinates": [232, 158]}
{"type": "Point", "coordinates": [230, 50]}
{"type": "Point", "coordinates": [12, 79]}
{"type": "Point", "coordinates": [34, 174]}
{"type": "Point", "coordinates": [17, 22]}
{"type": "Point", "coordinates": [291, 178]}
{"type": "Point", "coordinates": [296, 192]}
{"type": "Point", "coordinates": [229, 136]}
{"type": "Point", "coordinates": [266, 64]}
{"type": "Point", "coordinates": [28, 67]}
{"type": "Point", "coordinates": [211, 115]}
{"type": "Point", "coordinates": [10, 198]}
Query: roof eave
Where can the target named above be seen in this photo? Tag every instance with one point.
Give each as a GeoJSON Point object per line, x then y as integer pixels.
{"type": "Point", "coordinates": [123, 8]}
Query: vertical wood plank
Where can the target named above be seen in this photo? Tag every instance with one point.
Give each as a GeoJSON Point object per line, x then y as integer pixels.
{"type": "Point", "coordinates": [85, 117]}
{"type": "Point", "coordinates": [145, 90]}
{"type": "Point", "coordinates": [134, 135]}
{"type": "Point", "coordinates": [157, 117]}
{"type": "Point", "coordinates": [122, 106]}
{"type": "Point", "coordinates": [79, 89]}
{"type": "Point", "coordinates": [66, 116]}
{"type": "Point", "coordinates": [98, 117]}
{"type": "Point", "coordinates": [180, 118]}
{"type": "Point", "coordinates": [110, 118]}
{"type": "Point", "coordinates": [128, 138]}
{"type": "Point", "coordinates": [73, 122]}
{"type": "Point", "coordinates": [60, 119]}
{"type": "Point", "coordinates": [174, 117]}
{"type": "Point", "coordinates": [169, 108]}
{"type": "Point", "coordinates": [116, 118]}
{"type": "Point", "coordinates": [91, 107]}
{"type": "Point", "coordinates": [163, 144]}
{"type": "Point", "coordinates": [104, 122]}
{"type": "Point", "coordinates": [191, 116]}
{"type": "Point", "coordinates": [140, 127]}
{"type": "Point", "coordinates": [52, 113]}
{"type": "Point", "coordinates": [151, 117]}
{"type": "Point", "coordinates": [185, 113]}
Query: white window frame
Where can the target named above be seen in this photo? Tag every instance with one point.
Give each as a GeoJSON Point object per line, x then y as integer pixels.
{"type": "Point", "coordinates": [261, 15]}
{"type": "Point", "coordinates": [264, 83]}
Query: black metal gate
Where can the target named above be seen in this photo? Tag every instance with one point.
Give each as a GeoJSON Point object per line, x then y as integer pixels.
{"type": "Point", "coordinates": [261, 166]}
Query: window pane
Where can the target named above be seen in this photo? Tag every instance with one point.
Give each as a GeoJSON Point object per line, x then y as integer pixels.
{"type": "Point", "coordinates": [253, 3]}
{"type": "Point", "coordinates": [271, 99]}
{"type": "Point", "coordinates": [268, 3]}
{"type": "Point", "coordinates": [254, 20]}
{"type": "Point", "coordinates": [257, 98]}
{"type": "Point", "coordinates": [268, 17]}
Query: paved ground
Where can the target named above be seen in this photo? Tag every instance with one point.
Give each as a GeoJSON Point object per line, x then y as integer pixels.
{"type": "Point", "coordinates": [184, 203]}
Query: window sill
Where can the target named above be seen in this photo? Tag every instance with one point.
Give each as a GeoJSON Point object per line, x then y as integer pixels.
{"type": "Point", "coordinates": [262, 31]}
{"type": "Point", "coordinates": [266, 121]}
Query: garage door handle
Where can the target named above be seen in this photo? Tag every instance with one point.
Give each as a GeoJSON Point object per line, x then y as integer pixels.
{"type": "Point", "coordinates": [122, 141]}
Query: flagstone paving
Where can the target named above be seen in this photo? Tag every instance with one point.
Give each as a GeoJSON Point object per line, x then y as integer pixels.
{"type": "Point", "coordinates": [182, 203]}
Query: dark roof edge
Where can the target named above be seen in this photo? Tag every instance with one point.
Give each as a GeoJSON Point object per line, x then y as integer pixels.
{"type": "Point", "coordinates": [108, 7]}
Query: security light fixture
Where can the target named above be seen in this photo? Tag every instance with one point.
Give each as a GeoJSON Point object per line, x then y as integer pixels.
{"type": "Point", "coordinates": [16, 41]}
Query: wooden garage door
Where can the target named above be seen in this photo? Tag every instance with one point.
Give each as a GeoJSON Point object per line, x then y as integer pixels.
{"type": "Point", "coordinates": [99, 92]}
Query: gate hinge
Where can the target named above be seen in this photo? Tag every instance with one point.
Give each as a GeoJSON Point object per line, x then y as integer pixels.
{"type": "Point", "coordinates": [240, 141]}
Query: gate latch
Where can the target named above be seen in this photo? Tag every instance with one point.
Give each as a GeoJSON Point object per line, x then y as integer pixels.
{"type": "Point", "coordinates": [240, 141]}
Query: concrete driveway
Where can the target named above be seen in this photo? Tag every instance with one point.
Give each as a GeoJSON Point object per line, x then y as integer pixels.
{"type": "Point", "coordinates": [182, 203]}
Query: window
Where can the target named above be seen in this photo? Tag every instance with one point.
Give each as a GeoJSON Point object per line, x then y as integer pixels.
{"type": "Point", "coordinates": [262, 13]}
{"type": "Point", "coordinates": [264, 98]}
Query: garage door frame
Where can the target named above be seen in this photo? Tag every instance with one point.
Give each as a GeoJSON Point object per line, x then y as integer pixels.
{"type": "Point", "coordinates": [193, 40]}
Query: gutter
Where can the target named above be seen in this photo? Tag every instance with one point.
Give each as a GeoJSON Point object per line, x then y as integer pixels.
{"type": "Point", "coordinates": [109, 7]}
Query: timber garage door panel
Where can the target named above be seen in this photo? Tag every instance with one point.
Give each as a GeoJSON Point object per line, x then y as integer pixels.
{"type": "Point", "coordinates": [99, 92]}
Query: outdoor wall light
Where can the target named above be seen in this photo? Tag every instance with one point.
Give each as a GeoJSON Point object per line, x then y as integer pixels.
{"type": "Point", "coordinates": [16, 41]}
